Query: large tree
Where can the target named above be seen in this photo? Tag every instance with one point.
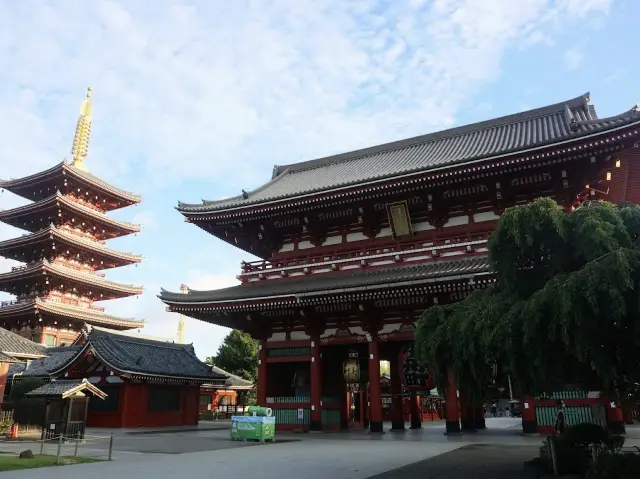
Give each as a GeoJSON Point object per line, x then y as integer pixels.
{"type": "Point", "coordinates": [565, 307]}
{"type": "Point", "coordinates": [238, 354]}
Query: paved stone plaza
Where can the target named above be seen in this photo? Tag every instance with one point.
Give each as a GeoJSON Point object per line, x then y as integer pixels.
{"type": "Point", "coordinates": [501, 450]}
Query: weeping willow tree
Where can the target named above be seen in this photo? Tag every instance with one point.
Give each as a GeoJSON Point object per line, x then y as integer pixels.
{"type": "Point", "coordinates": [565, 308]}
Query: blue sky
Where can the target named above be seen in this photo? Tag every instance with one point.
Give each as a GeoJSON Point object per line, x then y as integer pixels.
{"type": "Point", "coordinates": [199, 99]}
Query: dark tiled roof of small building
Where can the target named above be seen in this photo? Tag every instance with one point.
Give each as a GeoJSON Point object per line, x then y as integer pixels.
{"type": "Point", "coordinates": [4, 358]}
{"type": "Point", "coordinates": [335, 283]}
{"type": "Point", "coordinates": [14, 345]}
{"type": "Point", "coordinates": [60, 387]}
{"type": "Point", "coordinates": [56, 358]}
{"type": "Point", "coordinates": [565, 121]}
{"type": "Point", "coordinates": [232, 380]}
{"type": "Point", "coordinates": [137, 355]}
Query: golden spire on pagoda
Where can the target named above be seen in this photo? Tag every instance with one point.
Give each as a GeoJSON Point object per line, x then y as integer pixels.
{"type": "Point", "coordinates": [80, 147]}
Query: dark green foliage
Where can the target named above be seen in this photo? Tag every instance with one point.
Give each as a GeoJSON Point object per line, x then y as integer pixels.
{"type": "Point", "coordinates": [238, 354]}
{"type": "Point", "coordinates": [565, 307]}
{"type": "Point", "coordinates": [22, 387]}
{"type": "Point", "coordinates": [570, 459]}
{"type": "Point", "coordinates": [616, 466]}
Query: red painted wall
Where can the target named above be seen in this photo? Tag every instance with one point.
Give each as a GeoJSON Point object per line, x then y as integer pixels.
{"type": "Point", "coordinates": [4, 369]}
{"type": "Point", "coordinates": [133, 409]}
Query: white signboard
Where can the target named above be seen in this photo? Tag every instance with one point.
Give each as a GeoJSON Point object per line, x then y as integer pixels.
{"type": "Point", "coordinates": [300, 414]}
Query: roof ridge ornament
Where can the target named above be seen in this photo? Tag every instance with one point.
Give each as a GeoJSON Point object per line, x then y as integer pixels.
{"type": "Point", "coordinates": [80, 147]}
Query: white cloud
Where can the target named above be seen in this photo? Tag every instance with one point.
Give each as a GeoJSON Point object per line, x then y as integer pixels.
{"type": "Point", "coordinates": [208, 92]}
{"type": "Point", "coordinates": [573, 59]}
{"type": "Point", "coordinates": [184, 92]}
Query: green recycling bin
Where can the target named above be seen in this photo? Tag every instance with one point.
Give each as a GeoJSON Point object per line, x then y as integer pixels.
{"type": "Point", "coordinates": [253, 428]}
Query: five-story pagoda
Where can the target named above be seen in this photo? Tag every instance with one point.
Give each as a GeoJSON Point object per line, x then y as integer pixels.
{"type": "Point", "coordinates": [64, 249]}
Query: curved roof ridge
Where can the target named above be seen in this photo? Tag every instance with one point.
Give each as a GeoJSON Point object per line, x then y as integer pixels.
{"type": "Point", "coordinates": [626, 114]}
{"type": "Point", "coordinates": [579, 101]}
{"type": "Point", "coordinates": [9, 182]}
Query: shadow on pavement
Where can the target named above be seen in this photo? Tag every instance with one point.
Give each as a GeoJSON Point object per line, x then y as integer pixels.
{"type": "Point", "coordinates": [477, 461]}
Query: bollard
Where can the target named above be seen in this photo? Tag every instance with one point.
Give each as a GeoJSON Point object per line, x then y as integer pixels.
{"type": "Point", "coordinates": [554, 458]}
{"type": "Point", "coordinates": [41, 447]}
{"type": "Point", "coordinates": [110, 445]}
{"type": "Point", "coordinates": [75, 453]}
{"type": "Point", "coordinates": [59, 449]}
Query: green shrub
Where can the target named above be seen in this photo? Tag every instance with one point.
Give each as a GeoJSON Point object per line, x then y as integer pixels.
{"type": "Point", "coordinates": [5, 426]}
{"type": "Point", "coordinates": [206, 416]}
{"type": "Point", "coordinates": [616, 466]}
{"type": "Point", "coordinates": [571, 459]}
{"type": "Point", "coordinates": [585, 434]}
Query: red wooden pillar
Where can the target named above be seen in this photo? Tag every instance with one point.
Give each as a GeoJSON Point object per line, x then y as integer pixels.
{"type": "Point", "coordinates": [316, 386]}
{"type": "Point", "coordinates": [4, 372]}
{"type": "Point", "coordinates": [375, 393]}
{"type": "Point", "coordinates": [416, 416]}
{"type": "Point", "coordinates": [262, 374]}
{"type": "Point", "coordinates": [615, 420]}
{"type": "Point", "coordinates": [478, 418]}
{"type": "Point", "coordinates": [451, 407]}
{"type": "Point", "coordinates": [528, 409]}
{"type": "Point", "coordinates": [397, 404]}
{"type": "Point", "coordinates": [467, 422]}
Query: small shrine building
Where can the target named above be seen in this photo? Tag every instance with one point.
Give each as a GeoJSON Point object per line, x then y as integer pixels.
{"type": "Point", "coordinates": [147, 382]}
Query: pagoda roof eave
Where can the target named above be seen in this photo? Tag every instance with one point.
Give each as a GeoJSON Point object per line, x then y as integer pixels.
{"type": "Point", "coordinates": [59, 198]}
{"type": "Point", "coordinates": [570, 121]}
{"type": "Point", "coordinates": [63, 168]}
{"type": "Point", "coordinates": [292, 291]}
{"type": "Point", "coordinates": [86, 315]}
{"type": "Point", "coordinates": [60, 233]}
{"type": "Point", "coordinates": [45, 266]}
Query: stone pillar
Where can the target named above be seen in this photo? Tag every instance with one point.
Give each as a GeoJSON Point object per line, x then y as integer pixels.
{"type": "Point", "coordinates": [397, 403]}
{"type": "Point", "coordinates": [262, 374]}
{"type": "Point", "coordinates": [416, 417]}
{"type": "Point", "coordinates": [375, 394]}
{"type": "Point", "coordinates": [451, 407]}
{"type": "Point", "coordinates": [316, 386]}
{"type": "Point", "coordinates": [528, 409]}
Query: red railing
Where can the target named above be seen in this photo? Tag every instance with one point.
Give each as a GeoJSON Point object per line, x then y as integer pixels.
{"type": "Point", "coordinates": [73, 302]}
{"type": "Point", "coordinates": [84, 202]}
{"type": "Point", "coordinates": [358, 253]}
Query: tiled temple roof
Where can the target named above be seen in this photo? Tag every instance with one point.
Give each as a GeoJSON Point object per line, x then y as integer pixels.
{"type": "Point", "coordinates": [39, 267]}
{"type": "Point", "coordinates": [128, 354]}
{"type": "Point", "coordinates": [56, 358]}
{"type": "Point", "coordinates": [86, 315]}
{"type": "Point", "coordinates": [233, 381]}
{"type": "Point", "coordinates": [59, 200]}
{"type": "Point", "coordinates": [334, 284]}
{"type": "Point", "coordinates": [23, 186]}
{"type": "Point", "coordinates": [54, 232]}
{"type": "Point", "coordinates": [17, 347]}
{"type": "Point", "coordinates": [66, 387]}
{"type": "Point", "coordinates": [529, 130]}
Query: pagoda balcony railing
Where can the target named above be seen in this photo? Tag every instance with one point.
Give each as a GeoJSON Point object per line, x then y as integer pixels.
{"type": "Point", "coordinates": [81, 235]}
{"type": "Point", "coordinates": [78, 267]}
{"type": "Point", "coordinates": [19, 268]}
{"type": "Point", "coordinates": [74, 302]}
{"type": "Point", "coordinates": [85, 203]}
{"type": "Point", "coordinates": [13, 302]}
{"type": "Point", "coordinates": [469, 243]}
